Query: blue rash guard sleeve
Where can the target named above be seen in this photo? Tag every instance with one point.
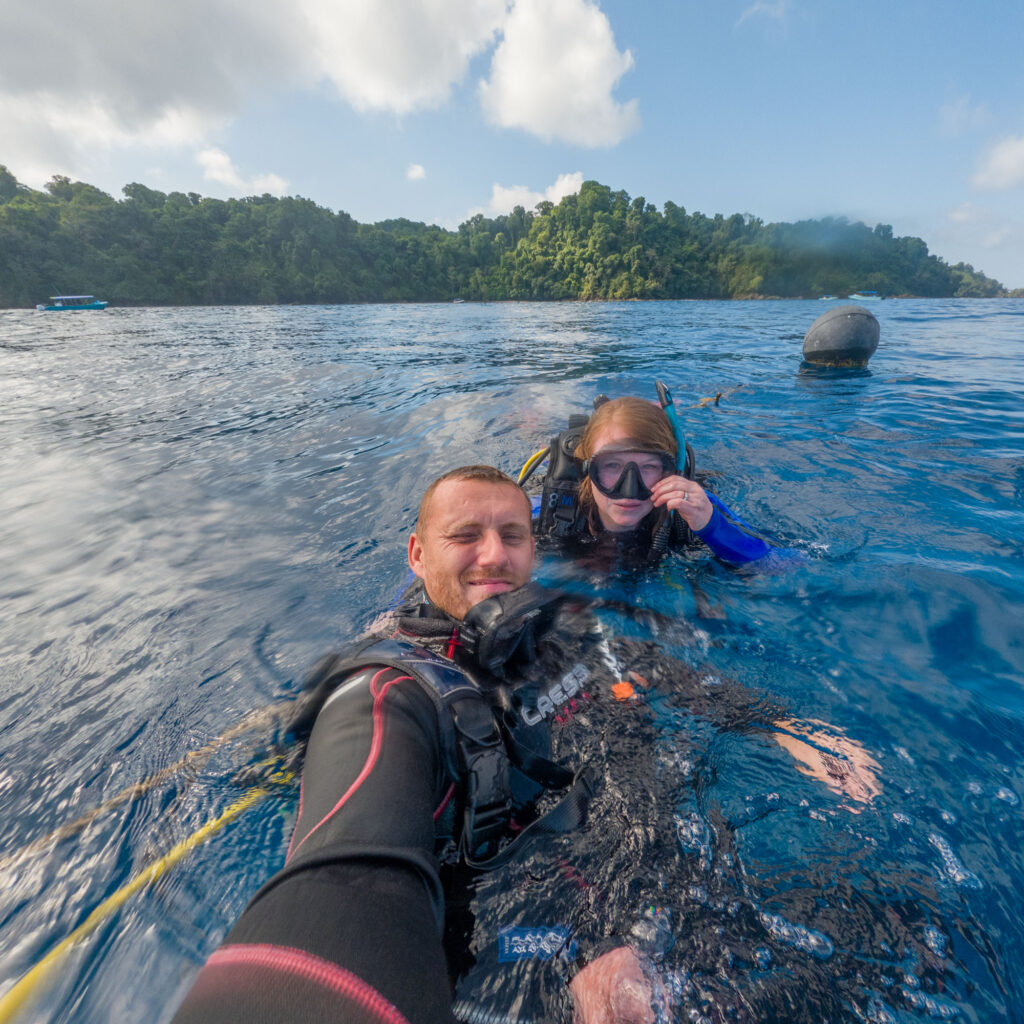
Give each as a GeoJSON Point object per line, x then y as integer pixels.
{"type": "Point", "coordinates": [729, 538]}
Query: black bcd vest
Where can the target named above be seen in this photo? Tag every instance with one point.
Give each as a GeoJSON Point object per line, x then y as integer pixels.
{"type": "Point", "coordinates": [480, 753]}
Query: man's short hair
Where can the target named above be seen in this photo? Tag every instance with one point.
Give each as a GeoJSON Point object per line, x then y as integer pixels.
{"type": "Point", "coordinates": [485, 474]}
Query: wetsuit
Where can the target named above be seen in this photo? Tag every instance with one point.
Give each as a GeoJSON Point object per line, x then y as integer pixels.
{"type": "Point", "coordinates": [728, 537]}
{"type": "Point", "coordinates": [725, 535]}
{"type": "Point", "coordinates": [351, 928]}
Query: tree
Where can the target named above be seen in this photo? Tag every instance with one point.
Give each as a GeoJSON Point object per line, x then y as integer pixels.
{"type": "Point", "coordinates": [153, 248]}
{"type": "Point", "coordinates": [9, 186]}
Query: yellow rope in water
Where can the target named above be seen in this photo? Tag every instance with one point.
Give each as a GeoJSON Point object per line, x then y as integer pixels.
{"type": "Point", "coordinates": [717, 397]}
{"type": "Point", "coordinates": [15, 998]}
{"type": "Point", "coordinates": [193, 760]}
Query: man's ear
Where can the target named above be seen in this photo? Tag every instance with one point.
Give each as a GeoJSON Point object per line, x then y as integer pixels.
{"type": "Point", "coordinates": [415, 555]}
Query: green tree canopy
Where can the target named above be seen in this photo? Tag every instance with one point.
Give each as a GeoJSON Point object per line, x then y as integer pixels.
{"type": "Point", "coordinates": [149, 248]}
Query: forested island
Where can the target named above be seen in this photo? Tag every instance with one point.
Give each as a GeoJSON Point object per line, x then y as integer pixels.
{"type": "Point", "coordinates": [150, 248]}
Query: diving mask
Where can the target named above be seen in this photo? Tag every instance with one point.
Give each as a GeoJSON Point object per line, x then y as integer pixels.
{"type": "Point", "coordinates": [627, 471]}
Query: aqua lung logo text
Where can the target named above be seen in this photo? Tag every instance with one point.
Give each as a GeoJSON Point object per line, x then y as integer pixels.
{"type": "Point", "coordinates": [547, 703]}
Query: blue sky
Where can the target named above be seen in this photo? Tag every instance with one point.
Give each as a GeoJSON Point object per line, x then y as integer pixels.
{"type": "Point", "coordinates": [909, 114]}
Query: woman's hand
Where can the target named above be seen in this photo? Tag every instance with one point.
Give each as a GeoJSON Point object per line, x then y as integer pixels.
{"type": "Point", "coordinates": [615, 990]}
{"type": "Point", "coordinates": [686, 497]}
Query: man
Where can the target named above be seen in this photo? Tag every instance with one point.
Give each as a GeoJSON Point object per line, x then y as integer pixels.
{"type": "Point", "coordinates": [473, 538]}
{"type": "Point", "coordinates": [406, 765]}
{"type": "Point", "coordinates": [350, 929]}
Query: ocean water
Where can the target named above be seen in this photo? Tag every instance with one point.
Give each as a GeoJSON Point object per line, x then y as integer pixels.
{"type": "Point", "coordinates": [195, 504]}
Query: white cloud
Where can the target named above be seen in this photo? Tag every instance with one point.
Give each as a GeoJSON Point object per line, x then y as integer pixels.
{"type": "Point", "coordinates": [768, 8]}
{"type": "Point", "coordinates": [985, 234]}
{"type": "Point", "coordinates": [398, 55]}
{"type": "Point", "coordinates": [161, 77]}
{"type": "Point", "coordinates": [170, 77]}
{"type": "Point", "coordinates": [139, 61]}
{"type": "Point", "coordinates": [965, 213]}
{"type": "Point", "coordinates": [1002, 166]}
{"type": "Point", "coordinates": [139, 75]}
{"type": "Point", "coordinates": [995, 238]}
{"type": "Point", "coordinates": [218, 167]}
{"type": "Point", "coordinates": [415, 172]}
{"type": "Point", "coordinates": [38, 142]}
{"type": "Point", "coordinates": [505, 198]}
{"type": "Point", "coordinates": [554, 72]}
{"type": "Point", "coordinates": [960, 116]}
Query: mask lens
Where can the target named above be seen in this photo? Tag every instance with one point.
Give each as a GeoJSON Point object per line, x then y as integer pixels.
{"type": "Point", "coordinates": [607, 468]}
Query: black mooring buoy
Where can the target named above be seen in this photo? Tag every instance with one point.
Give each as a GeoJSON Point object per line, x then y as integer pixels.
{"type": "Point", "coordinates": [844, 336]}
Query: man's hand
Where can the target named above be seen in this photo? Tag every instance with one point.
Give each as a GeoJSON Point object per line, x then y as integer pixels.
{"type": "Point", "coordinates": [842, 764]}
{"type": "Point", "coordinates": [615, 990]}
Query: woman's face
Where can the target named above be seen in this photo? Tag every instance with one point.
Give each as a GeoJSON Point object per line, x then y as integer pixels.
{"type": "Point", "coordinates": [617, 514]}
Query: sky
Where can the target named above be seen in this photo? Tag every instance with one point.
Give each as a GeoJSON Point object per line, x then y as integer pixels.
{"type": "Point", "coordinates": [908, 113]}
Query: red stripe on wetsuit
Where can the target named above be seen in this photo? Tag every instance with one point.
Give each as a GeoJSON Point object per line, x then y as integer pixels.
{"type": "Point", "coordinates": [371, 759]}
{"type": "Point", "coordinates": [307, 967]}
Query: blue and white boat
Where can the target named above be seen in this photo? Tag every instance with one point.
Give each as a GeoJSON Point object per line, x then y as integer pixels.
{"type": "Point", "coordinates": [62, 302]}
{"type": "Point", "coordinates": [865, 296]}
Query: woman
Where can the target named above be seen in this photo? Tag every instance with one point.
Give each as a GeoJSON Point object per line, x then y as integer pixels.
{"type": "Point", "coordinates": [632, 496]}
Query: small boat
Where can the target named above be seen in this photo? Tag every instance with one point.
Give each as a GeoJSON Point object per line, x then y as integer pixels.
{"type": "Point", "coordinates": [827, 298]}
{"type": "Point", "coordinates": [61, 302]}
{"type": "Point", "coordinates": [865, 295]}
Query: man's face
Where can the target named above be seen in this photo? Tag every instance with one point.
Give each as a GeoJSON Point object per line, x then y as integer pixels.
{"type": "Point", "coordinates": [475, 543]}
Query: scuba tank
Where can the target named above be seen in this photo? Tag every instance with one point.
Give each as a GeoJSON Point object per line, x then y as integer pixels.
{"type": "Point", "coordinates": [559, 504]}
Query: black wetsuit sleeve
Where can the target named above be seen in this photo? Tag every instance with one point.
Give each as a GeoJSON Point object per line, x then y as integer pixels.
{"type": "Point", "coordinates": [351, 928]}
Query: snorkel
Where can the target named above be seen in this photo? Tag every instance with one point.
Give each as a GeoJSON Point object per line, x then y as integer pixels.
{"type": "Point", "coordinates": [659, 539]}
{"type": "Point", "coordinates": [665, 398]}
